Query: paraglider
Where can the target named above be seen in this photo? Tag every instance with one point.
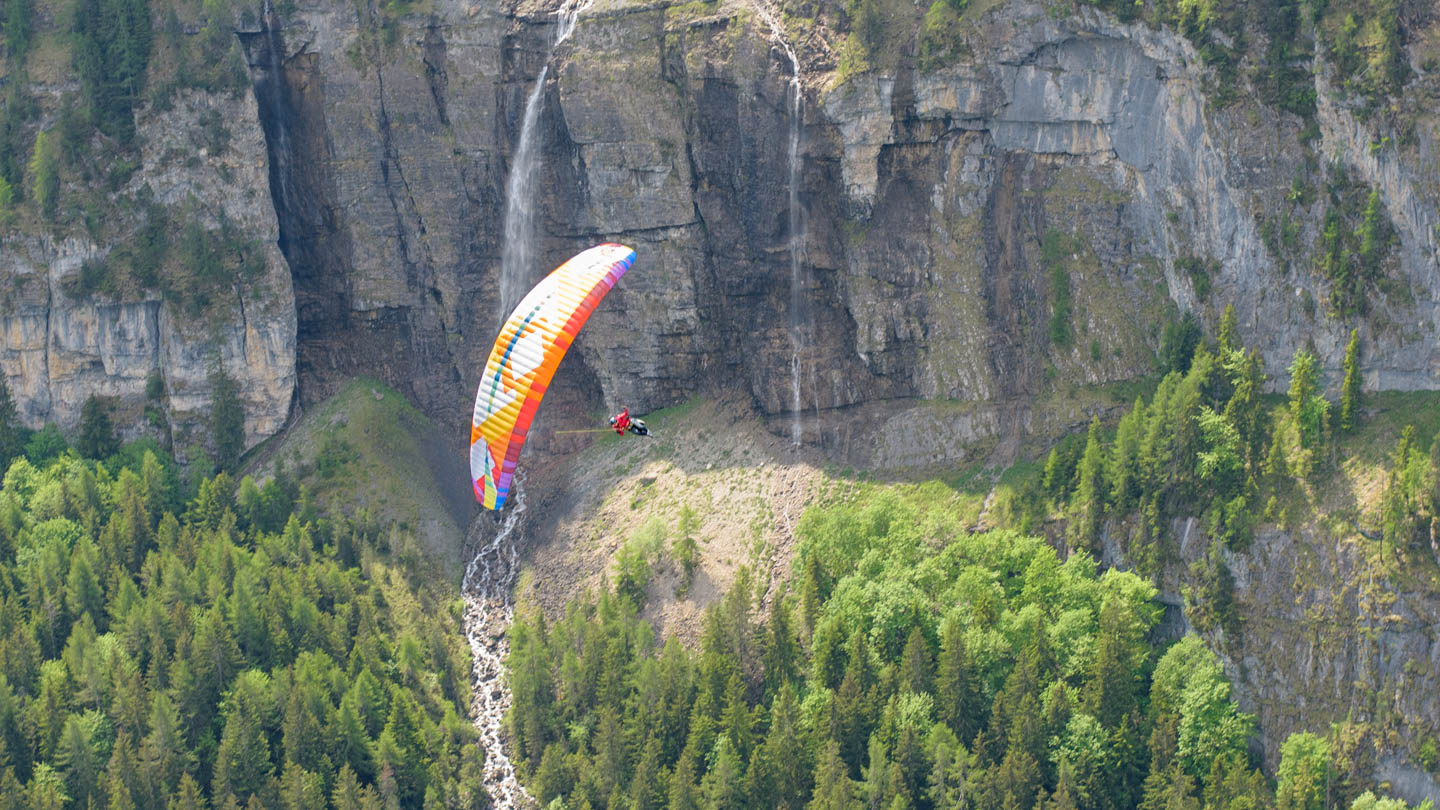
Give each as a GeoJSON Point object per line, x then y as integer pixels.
{"type": "Point", "coordinates": [529, 348]}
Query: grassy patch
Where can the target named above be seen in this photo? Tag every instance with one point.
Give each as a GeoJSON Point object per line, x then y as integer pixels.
{"type": "Point", "coordinates": [368, 448]}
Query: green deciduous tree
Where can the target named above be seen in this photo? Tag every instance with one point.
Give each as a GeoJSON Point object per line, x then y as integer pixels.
{"type": "Point", "coordinates": [1304, 774]}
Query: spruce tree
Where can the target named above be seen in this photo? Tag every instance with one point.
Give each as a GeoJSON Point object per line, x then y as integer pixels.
{"type": "Point", "coordinates": [1089, 504]}
{"type": "Point", "coordinates": [44, 176]}
{"type": "Point", "coordinates": [12, 433]}
{"type": "Point", "coordinates": [1228, 336]}
{"type": "Point", "coordinates": [1350, 388]}
{"type": "Point", "coordinates": [97, 432]}
{"type": "Point", "coordinates": [227, 419]}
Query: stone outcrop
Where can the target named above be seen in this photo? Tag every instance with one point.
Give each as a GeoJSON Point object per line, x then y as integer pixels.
{"type": "Point", "coordinates": [61, 345]}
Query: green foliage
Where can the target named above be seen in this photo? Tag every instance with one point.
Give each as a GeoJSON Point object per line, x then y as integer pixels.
{"type": "Point", "coordinates": [1309, 409]}
{"type": "Point", "coordinates": [1350, 388]}
{"type": "Point", "coordinates": [1369, 801]}
{"type": "Point", "coordinates": [684, 548]}
{"type": "Point", "coordinates": [210, 262]}
{"type": "Point", "coordinates": [227, 419]}
{"type": "Point", "coordinates": [1055, 250]}
{"type": "Point", "coordinates": [1356, 240]}
{"type": "Point", "coordinates": [1364, 40]}
{"type": "Point", "coordinates": [924, 635]}
{"type": "Point", "coordinates": [634, 560]}
{"type": "Point", "coordinates": [45, 444]}
{"type": "Point", "coordinates": [18, 28]}
{"type": "Point", "coordinates": [1410, 502]}
{"type": "Point", "coordinates": [44, 176]}
{"type": "Point", "coordinates": [1304, 774]}
{"type": "Point", "coordinates": [7, 202]}
{"type": "Point", "coordinates": [218, 656]}
{"type": "Point", "coordinates": [112, 47]}
{"type": "Point", "coordinates": [1199, 272]}
{"type": "Point", "coordinates": [12, 431]}
{"type": "Point", "coordinates": [940, 34]}
{"type": "Point", "coordinates": [1088, 505]}
{"type": "Point", "coordinates": [1179, 342]}
{"type": "Point", "coordinates": [97, 438]}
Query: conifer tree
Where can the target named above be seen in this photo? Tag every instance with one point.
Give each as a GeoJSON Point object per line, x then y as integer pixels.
{"type": "Point", "coordinates": [684, 794]}
{"type": "Point", "coordinates": [915, 663]}
{"type": "Point", "coordinates": [723, 787]}
{"type": "Point", "coordinates": [958, 701]}
{"type": "Point", "coordinates": [1228, 336]}
{"type": "Point", "coordinates": [1350, 388]}
{"type": "Point", "coordinates": [227, 419]}
{"type": "Point", "coordinates": [97, 431]}
{"type": "Point", "coordinates": [44, 176]}
{"type": "Point", "coordinates": [1307, 406]}
{"type": "Point", "coordinates": [833, 788]}
{"type": "Point", "coordinates": [1090, 491]}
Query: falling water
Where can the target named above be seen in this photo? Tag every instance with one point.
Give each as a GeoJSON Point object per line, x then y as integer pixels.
{"type": "Point", "coordinates": [799, 319]}
{"type": "Point", "coordinates": [488, 613]}
{"type": "Point", "coordinates": [517, 252]}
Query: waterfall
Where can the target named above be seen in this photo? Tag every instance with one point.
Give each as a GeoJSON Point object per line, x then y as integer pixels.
{"type": "Point", "coordinates": [799, 311]}
{"type": "Point", "coordinates": [517, 253]}
{"type": "Point", "coordinates": [799, 314]}
{"type": "Point", "coordinates": [488, 613]}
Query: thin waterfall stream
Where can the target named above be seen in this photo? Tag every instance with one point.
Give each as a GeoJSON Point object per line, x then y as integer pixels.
{"type": "Point", "coordinates": [795, 226]}
{"type": "Point", "coordinates": [517, 253]}
{"type": "Point", "coordinates": [490, 576]}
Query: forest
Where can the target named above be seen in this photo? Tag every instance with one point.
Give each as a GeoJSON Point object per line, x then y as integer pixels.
{"type": "Point", "coordinates": [178, 641]}
{"type": "Point", "coordinates": [912, 661]}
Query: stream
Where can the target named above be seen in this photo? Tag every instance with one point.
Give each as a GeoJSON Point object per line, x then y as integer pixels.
{"type": "Point", "coordinates": [488, 612]}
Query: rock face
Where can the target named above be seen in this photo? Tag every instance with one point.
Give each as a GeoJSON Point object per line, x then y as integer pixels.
{"type": "Point", "coordinates": [942, 210]}
{"type": "Point", "coordinates": [1329, 639]}
{"type": "Point", "coordinates": [62, 344]}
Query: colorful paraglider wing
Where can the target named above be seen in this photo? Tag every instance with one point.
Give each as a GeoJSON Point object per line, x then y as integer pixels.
{"type": "Point", "coordinates": [530, 346]}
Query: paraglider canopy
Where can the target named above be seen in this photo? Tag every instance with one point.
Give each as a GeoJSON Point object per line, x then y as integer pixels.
{"type": "Point", "coordinates": [531, 343]}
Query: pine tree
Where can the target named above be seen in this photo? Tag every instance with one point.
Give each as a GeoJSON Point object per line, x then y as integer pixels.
{"type": "Point", "coordinates": [188, 796]}
{"type": "Point", "coordinates": [786, 753]}
{"type": "Point", "coordinates": [723, 787]}
{"type": "Point", "coordinates": [1307, 406]}
{"type": "Point", "coordinates": [97, 431]}
{"type": "Point", "coordinates": [1350, 388]}
{"type": "Point", "coordinates": [1228, 336]}
{"type": "Point", "coordinates": [684, 795]}
{"type": "Point", "coordinates": [833, 788]}
{"type": "Point", "coordinates": [915, 663]}
{"type": "Point", "coordinates": [958, 701]}
{"type": "Point", "coordinates": [645, 785]}
{"type": "Point", "coordinates": [44, 176]}
{"type": "Point", "coordinates": [782, 653]}
{"type": "Point", "coordinates": [18, 15]}
{"type": "Point", "coordinates": [1089, 503]}
{"type": "Point", "coordinates": [227, 419]}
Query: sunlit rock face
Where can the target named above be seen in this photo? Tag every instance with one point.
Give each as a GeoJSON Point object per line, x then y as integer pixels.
{"type": "Point", "coordinates": [63, 343]}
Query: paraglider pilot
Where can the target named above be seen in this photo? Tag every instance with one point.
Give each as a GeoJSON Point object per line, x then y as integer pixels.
{"type": "Point", "coordinates": [622, 422]}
